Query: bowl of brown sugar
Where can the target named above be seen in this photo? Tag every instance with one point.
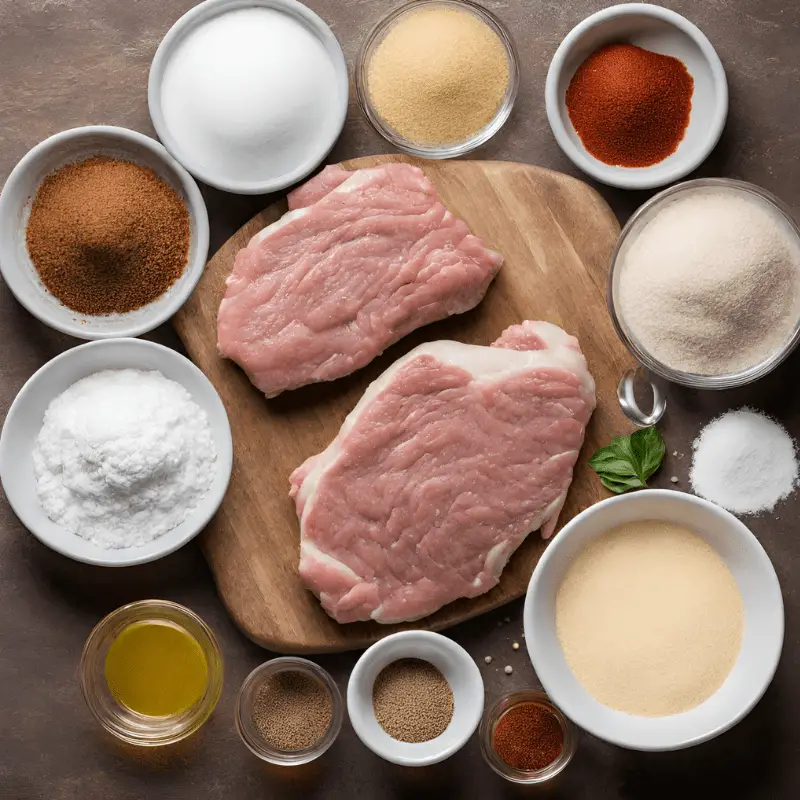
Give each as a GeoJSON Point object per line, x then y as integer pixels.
{"type": "Point", "coordinates": [102, 233]}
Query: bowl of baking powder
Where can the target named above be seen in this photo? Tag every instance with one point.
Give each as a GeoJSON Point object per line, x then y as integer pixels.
{"type": "Point", "coordinates": [116, 452]}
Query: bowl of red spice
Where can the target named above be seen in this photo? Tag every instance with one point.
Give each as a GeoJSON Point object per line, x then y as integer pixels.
{"type": "Point", "coordinates": [102, 233]}
{"type": "Point", "coordinates": [525, 738]}
{"type": "Point", "coordinates": [636, 96]}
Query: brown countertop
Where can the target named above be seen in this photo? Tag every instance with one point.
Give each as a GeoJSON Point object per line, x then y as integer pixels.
{"type": "Point", "coordinates": [71, 62]}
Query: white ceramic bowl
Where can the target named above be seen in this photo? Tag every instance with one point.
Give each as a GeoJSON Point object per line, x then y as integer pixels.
{"type": "Point", "coordinates": [457, 666]}
{"type": "Point", "coordinates": [24, 421]}
{"type": "Point", "coordinates": [15, 202]}
{"type": "Point", "coordinates": [326, 136]}
{"type": "Point", "coordinates": [662, 31]}
{"type": "Point", "coordinates": [763, 630]}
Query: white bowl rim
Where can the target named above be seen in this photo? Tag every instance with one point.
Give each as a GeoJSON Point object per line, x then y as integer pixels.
{"type": "Point", "coordinates": [642, 177]}
{"type": "Point", "coordinates": [196, 16]}
{"type": "Point", "coordinates": [356, 680]}
{"type": "Point", "coordinates": [196, 208]}
{"type": "Point", "coordinates": [224, 455]}
{"type": "Point", "coordinates": [566, 703]}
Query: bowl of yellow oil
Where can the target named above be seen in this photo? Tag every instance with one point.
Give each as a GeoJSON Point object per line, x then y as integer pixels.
{"type": "Point", "coordinates": [151, 672]}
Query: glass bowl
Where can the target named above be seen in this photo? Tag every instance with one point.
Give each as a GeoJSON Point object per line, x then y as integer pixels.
{"type": "Point", "coordinates": [635, 224]}
{"type": "Point", "coordinates": [245, 701]}
{"type": "Point", "coordinates": [122, 722]}
{"type": "Point", "coordinates": [492, 716]}
{"type": "Point", "coordinates": [429, 151]}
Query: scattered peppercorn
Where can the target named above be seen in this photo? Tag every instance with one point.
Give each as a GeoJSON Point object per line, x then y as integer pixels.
{"type": "Point", "coordinates": [292, 711]}
{"type": "Point", "coordinates": [508, 670]}
{"type": "Point", "coordinates": [488, 659]}
{"type": "Point", "coordinates": [107, 236]}
{"type": "Point", "coordinates": [412, 700]}
{"type": "Point", "coordinates": [629, 106]}
{"type": "Point", "coordinates": [515, 646]}
{"type": "Point", "coordinates": [528, 737]}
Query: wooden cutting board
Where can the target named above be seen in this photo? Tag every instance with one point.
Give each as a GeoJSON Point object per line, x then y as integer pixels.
{"type": "Point", "coordinates": [556, 235]}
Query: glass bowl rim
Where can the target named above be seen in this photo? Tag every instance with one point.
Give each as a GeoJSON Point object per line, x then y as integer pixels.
{"type": "Point", "coordinates": [694, 380]}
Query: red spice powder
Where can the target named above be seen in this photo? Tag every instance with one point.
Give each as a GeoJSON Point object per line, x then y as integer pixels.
{"type": "Point", "coordinates": [528, 737]}
{"type": "Point", "coordinates": [630, 107]}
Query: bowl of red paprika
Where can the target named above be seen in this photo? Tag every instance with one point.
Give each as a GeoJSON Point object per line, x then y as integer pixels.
{"type": "Point", "coordinates": [525, 738]}
{"type": "Point", "coordinates": [636, 96]}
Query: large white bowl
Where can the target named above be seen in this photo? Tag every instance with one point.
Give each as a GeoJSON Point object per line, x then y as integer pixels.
{"type": "Point", "coordinates": [24, 421]}
{"type": "Point", "coordinates": [15, 205]}
{"type": "Point", "coordinates": [763, 630]}
{"type": "Point", "coordinates": [458, 668]}
{"type": "Point", "coordinates": [661, 31]}
{"type": "Point", "coordinates": [327, 133]}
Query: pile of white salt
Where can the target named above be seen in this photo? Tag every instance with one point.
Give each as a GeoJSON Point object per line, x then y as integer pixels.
{"type": "Point", "coordinates": [745, 462]}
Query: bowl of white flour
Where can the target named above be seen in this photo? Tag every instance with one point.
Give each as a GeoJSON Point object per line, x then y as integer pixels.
{"type": "Point", "coordinates": [704, 287]}
{"type": "Point", "coordinates": [116, 452]}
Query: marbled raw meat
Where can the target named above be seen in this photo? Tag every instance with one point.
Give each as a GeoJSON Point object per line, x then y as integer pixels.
{"type": "Point", "coordinates": [449, 460]}
{"type": "Point", "coordinates": [327, 288]}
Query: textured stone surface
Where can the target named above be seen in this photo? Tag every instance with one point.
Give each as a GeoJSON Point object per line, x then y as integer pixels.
{"type": "Point", "coordinates": [73, 62]}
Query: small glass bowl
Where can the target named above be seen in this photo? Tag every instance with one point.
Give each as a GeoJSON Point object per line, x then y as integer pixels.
{"type": "Point", "coordinates": [486, 732]}
{"type": "Point", "coordinates": [429, 151]}
{"type": "Point", "coordinates": [122, 722]}
{"type": "Point", "coordinates": [245, 702]}
{"type": "Point", "coordinates": [634, 226]}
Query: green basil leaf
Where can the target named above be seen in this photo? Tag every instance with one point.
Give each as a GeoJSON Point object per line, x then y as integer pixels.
{"type": "Point", "coordinates": [628, 461]}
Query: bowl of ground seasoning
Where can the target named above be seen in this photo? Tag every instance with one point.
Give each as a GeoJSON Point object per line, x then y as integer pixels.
{"type": "Point", "coordinates": [102, 233]}
{"type": "Point", "coordinates": [525, 738]}
{"type": "Point", "coordinates": [415, 698]}
{"type": "Point", "coordinates": [289, 711]}
{"type": "Point", "coordinates": [636, 96]}
{"type": "Point", "coordinates": [437, 78]}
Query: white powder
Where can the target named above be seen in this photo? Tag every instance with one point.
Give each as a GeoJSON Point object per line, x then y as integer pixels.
{"type": "Point", "coordinates": [711, 284]}
{"type": "Point", "coordinates": [650, 619]}
{"type": "Point", "coordinates": [123, 457]}
{"type": "Point", "coordinates": [745, 462]}
{"type": "Point", "coordinates": [247, 93]}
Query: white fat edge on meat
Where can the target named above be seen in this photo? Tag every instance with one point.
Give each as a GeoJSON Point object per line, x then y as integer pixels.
{"type": "Point", "coordinates": [498, 556]}
{"type": "Point", "coordinates": [310, 550]}
{"type": "Point", "coordinates": [357, 179]}
{"type": "Point", "coordinates": [482, 362]}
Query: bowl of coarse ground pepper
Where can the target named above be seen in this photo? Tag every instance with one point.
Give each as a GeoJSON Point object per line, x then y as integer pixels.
{"type": "Point", "coordinates": [102, 233]}
{"type": "Point", "coordinates": [289, 711]}
{"type": "Point", "coordinates": [636, 96]}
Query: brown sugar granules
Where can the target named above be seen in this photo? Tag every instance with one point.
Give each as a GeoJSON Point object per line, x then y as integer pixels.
{"type": "Point", "coordinates": [412, 700]}
{"type": "Point", "coordinates": [107, 236]}
{"type": "Point", "coordinates": [629, 106]}
{"type": "Point", "coordinates": [292, 711]}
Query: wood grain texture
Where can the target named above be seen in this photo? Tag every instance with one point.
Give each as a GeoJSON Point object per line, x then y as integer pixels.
{"type": "Point", "coordinates": [556, 235]}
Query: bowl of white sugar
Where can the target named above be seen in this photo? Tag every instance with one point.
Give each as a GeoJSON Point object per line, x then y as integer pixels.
{"type": "Point", "coordinates": [704, 287]}
{"type": "Point", "coordinates": [116, 452]}
{"type": "Point", "coordinates": [655, 620]}
{"type": "Point", "coordinates": [249, 95]}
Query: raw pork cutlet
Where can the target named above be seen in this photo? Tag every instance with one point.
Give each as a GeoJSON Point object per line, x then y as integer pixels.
{"type": "Point", "coordinates": [329, 287]}
{"type": "Point", "coordinates": [449, 460]}
{"type": "Point", "coordinates": [316, 188]}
